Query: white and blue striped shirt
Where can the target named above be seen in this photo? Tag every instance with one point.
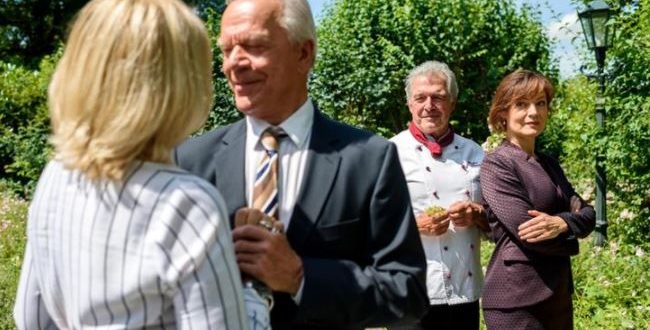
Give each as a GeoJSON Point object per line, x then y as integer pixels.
{"type": "Point", "coordinates": [152, 252]}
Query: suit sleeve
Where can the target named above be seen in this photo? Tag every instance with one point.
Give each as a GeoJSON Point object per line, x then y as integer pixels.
{"type": "Point", "coordinates": [508, 201]}
{"type": "Point", "coordinates": [392, 286]}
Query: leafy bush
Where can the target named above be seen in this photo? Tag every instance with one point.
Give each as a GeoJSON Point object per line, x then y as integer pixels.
{"type": "Point", "coordinates": [612, 287]}
{"type": "Point", "coordinates": [24, 123]}
{"type": "Point", "coordinates": [367, 47]}
{"type": "Point", "coordinates": [628, 124]}
{"type": "Point", "coordinates": [570, 132]}
{"type": "Point", "coordinates": [223, 109]}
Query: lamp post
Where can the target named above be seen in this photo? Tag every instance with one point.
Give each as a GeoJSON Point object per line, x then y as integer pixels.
{"type": "Point", "coordinates": [598, 33]}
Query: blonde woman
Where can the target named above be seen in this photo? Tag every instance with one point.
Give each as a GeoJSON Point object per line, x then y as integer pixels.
{"type": "Point", "coordinates": [118, 237]}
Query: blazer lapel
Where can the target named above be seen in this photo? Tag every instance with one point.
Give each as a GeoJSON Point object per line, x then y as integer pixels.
{"type": "Point", "coordinates": [229, 167]}
{"type": "Point", "coordinates": [322, 169]}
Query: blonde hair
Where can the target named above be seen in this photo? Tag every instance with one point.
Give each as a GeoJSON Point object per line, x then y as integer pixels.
{"type": "Point", "coordinates": [518, 85]}
{"type": "Point", "coordinates": [133, 82]}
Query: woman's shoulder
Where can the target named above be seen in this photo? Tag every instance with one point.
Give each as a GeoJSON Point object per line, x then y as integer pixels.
{"type": "Point", "coordinates": [176, 186]}
{"type": "Point", "coordinates": [499, 155]}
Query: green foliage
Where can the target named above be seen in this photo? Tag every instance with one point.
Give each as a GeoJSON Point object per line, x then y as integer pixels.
{"type": "Point", "coordinates": [573, 134]}
{"type": "Point", "coordinates": [367, 47]}
{"type": "Point", "coordinates": [24, 124]}
{"type": "Point", "coordinates": [223, 109]}
{"type": "Point", "coordinates": [207, 8]}
{"type": "Point", "coordinates": [13, 213]}
{"type": "Point", "coordinates": [612, 287]}
{"type": "Point", "coordinates": [32, 29]}
{"type": "Point", "coordinates": [571, 130]}
{"type": "Point", "coordinates": [628, 124]}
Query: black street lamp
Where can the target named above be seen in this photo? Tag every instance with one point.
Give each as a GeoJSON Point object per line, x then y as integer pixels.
{"type": "Point", "coordinates": [599, 37]}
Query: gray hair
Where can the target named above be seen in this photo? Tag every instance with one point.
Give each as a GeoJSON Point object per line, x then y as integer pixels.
{"type": "Point", "coordinates": [297, 20]}
{"type": "Point", "coordinates": [429, 68]}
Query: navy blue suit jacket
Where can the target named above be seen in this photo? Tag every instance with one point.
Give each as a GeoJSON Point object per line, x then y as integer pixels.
{"type": "Point", "coordinates": [352, 225]}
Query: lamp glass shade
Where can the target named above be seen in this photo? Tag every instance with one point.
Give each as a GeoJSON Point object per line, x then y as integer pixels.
{"type": "Point", "coordinates": [587, 29]}
{"type": "Point", "coordinates": [599, 22]}
{"type": "Point", "coordinates": [594, 21]}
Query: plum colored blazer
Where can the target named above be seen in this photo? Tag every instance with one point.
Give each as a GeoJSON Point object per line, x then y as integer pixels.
{"type": "Point", "coordinates": [522, 274]}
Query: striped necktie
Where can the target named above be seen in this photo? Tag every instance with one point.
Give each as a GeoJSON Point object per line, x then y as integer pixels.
{"type": "Point", "coordinates": [265, 191]}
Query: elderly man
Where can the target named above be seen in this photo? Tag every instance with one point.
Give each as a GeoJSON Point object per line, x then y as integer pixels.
{"type": "Point", "coordinates": [351, 256]}
{"type": "Point", "coordinates": [442, 171]}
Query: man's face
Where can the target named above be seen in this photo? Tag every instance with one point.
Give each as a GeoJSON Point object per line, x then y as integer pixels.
{"type": "Point", "coordinates": [266, 72]}
{"type": "Point", "coordinates": [430, 104]}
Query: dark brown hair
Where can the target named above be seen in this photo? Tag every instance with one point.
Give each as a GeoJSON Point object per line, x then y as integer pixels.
{"type": "Point", "coordinates": [521, 84]}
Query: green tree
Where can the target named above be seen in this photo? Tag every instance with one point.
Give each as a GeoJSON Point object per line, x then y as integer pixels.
{"type": "Point", "coordinates": [367, 47]}
{"type": "Point", "coordinates": [31, 29]}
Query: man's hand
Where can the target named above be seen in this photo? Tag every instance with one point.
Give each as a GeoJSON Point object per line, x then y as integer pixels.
{"type": "Point", "coordinates": [541, 227]}
{"type": "Point", "coordinates": [432, 225]}
{"type": "Point", "coordinates": [465, 214]}
{"type": "Point", "coordinates": [268, 257]}
{"type": "Point", "coordinates": [251, 216]}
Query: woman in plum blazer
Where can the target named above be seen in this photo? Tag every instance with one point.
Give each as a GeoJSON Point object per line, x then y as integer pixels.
{"type": "Point", "coordinates": [535, 215]}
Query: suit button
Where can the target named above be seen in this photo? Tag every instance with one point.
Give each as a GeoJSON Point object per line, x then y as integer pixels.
{"type": "Point", "coordinates": [446, 248]}
{"type": "Point", "coordinates": [428, 169]}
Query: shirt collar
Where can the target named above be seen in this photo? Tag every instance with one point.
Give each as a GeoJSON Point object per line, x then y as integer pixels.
{"type": "Point", "coordinates": [297, 126]}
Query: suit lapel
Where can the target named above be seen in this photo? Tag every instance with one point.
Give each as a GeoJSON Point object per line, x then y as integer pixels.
{"type": "Point", "coordinates": [230, 167]}
{"type": "Point", "coordinates": [322, 169]}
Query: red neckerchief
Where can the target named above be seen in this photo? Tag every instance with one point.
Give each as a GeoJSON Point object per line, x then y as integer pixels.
{"type": "Point", "coordinates": [435, 147]}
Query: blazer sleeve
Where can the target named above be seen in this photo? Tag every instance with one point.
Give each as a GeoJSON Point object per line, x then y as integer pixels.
{"type": "Point", "coordinates": [391, 286]}
{"type": "Point", "coordinates": [581, 217]}
{"type": "Point", "coordinates": [508, 200]}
